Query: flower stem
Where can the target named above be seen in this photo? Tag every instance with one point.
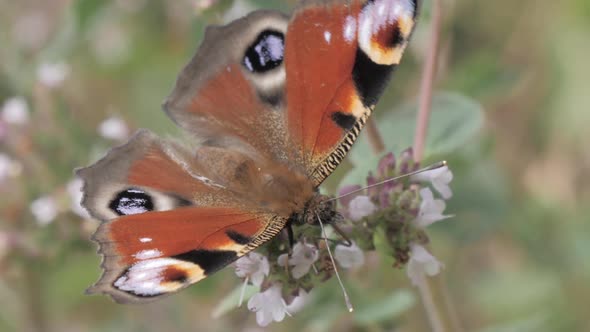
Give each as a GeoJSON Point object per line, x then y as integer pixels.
{"type": "Point", "coordinates": [432, 311]}
{"type": "Point", "coordinates": [437, 316]}
{"type": "Point", "coordinates": [428, 76]}
{"type": "Point", "coordinates": [375, 139]}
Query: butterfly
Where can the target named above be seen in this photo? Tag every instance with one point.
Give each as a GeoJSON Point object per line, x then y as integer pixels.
{"type": "Point", "coordinates": [273, 104]}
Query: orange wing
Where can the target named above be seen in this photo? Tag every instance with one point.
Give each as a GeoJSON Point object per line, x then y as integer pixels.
{"type": "Point", "coordinates": [153, 254]}
{"type": "Point", "coordinates": [339, 56]}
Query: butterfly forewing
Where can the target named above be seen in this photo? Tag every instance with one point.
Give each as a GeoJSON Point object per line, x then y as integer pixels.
{"type": "Point", "coordinates": [343, 53]}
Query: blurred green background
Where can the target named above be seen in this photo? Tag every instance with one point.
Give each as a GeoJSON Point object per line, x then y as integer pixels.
{"type": "Point", "coordinates": [78, 76]}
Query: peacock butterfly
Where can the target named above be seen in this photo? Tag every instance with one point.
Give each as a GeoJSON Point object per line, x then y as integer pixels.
{"type": "Point", "coordinates": [274, 104]}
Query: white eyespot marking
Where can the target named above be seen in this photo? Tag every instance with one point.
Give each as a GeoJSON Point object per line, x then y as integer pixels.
{"type": "Point", "coordinates": [327, 36]}
{"type": "Point", "coordinates": [381, 10]}
{"type": "Point", "coordinates": [145, 277]}
{"type": "Point", "coordinates": [145, 240]}
{"type": "Point", "coordinates": [349, 29]}
{"type": "Point", "coordinates": [148, 254]}
{"type": "Point", "coordinates": [248, 64]}
{"type": "Point", "coordinates": [274, 47]}
{"type": "Point", "coordinates": [397, 10]}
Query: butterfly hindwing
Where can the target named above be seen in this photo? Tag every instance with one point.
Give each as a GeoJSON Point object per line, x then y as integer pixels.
{"type": "Point", "coordinates": [149, 255]}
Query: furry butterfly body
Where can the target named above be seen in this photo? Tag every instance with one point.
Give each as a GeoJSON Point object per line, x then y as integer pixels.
{"type": "Point", "coordinates": [274, 104]}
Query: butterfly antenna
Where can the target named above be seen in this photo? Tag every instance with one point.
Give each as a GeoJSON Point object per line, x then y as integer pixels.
{"type": "Point", "coordinates": [346, 298]}
{"type": "Point", "coordinates": [425, 169]}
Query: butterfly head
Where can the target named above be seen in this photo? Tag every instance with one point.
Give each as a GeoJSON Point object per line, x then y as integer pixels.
{"type": "Point", "coordinates": [319, 206]}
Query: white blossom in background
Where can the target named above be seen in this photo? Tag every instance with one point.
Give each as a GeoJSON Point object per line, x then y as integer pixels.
{"type": "Point", "coordinates": [44, 210]}
{"type": "Point", "coordinates": [422, 263]}
{"type": "Point", "coordinates": [9, 167]}
{"type": "Point", "coordinates": [431, 209]}
{"type": "Point", "coordinates": [114, 128]}
{"type": "Point", "coordinates": [303, 257]}
{"type": "Point", "coordinates": [268, 305]}
{"type": "Point", "coordinates": [254, 267]}
{"type": "Point", "coordinates": [74, 189]}
{"type": "Point", "coordinates": [201, 5]}
{"type": "Point", "coordinates": [439, 178]}
{"type": "Point", "coordinates": [360, 207]}
{"type": "Point", "coordinates": [15, 111]}
{"type": "Point", "coordinates": [349, 257]}
{"type": "Point", "coordinates": [53, 74]}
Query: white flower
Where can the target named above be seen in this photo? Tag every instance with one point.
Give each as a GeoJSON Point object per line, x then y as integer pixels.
{"type": "Point", "coordinates": [203, 4]}
{"type": "Point", "coordinates": [268, 305]}
{"type": "Point", "coordinates": [254, 267]}
{"type": "Point", "coordinates": [430, 209]}
{"type": "Point", "coordinates": [44, 209]}
{"type": "Point", "coordinates": [298, 302]}
{"type": "Point", "coordinates": [15, 111]}
{"type": "Point", "coordinates": [439, 178]}
{"type": "Point", "coordinates": [9, 167]}
{"type": "Point", "coordinates": [53, 74]}
{"type": "Point", "coordinates": [74, 189]}
{"type": "Point", "coordinates": [360, 207]}
{"type": "Point", "coordinates": [114, 128]}
{"type": "Point", "coordinates": [303, 257]}
{"type": "Point", "coordinates": [422, 263]}
{"type": "Point", "coordinates": [349, 256]}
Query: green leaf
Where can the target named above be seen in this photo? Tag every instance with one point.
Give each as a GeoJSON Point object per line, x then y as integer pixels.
{"type": "Point", "coordinates": [231, 300]}
{"type": "Point", "coordinates": [454, 121]}
{"type": "Point", "coordinates": [86, 10]}
{"type": "Point", "coordinates": [386, 308]}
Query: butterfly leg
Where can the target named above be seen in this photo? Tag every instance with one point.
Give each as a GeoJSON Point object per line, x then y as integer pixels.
{"type": "Point", "coordinates": [291, 236]}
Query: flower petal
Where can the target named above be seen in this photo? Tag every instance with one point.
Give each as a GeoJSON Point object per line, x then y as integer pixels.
{"type": "Point", "coordinates": [349, 256]}
{"type": "Point", "coordinates": [439, 178]}
{"type": "Point", "coordinates": [360, 207]}
{"type": "Point", "coordinates": [345, 190]}
{"type": "Point", "coordinates": [430, 209]}
{"type": "Point", "coordinates": [303, 257]}
{"type": "Point", "coordinates": [422, 263]}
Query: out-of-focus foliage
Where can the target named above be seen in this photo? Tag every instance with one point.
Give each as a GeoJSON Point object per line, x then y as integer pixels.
{"type": "Point", "coordinates": [516, 253]}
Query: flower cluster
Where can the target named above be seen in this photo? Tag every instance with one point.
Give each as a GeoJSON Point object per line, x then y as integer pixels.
{"type": "Point", "coordinates": [399, 209]}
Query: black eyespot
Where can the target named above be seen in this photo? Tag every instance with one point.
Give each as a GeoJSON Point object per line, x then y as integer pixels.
{"type": "Point", "coordinates": [132, 201]}
{"type": "Point", "coordinates": [266, 53]}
